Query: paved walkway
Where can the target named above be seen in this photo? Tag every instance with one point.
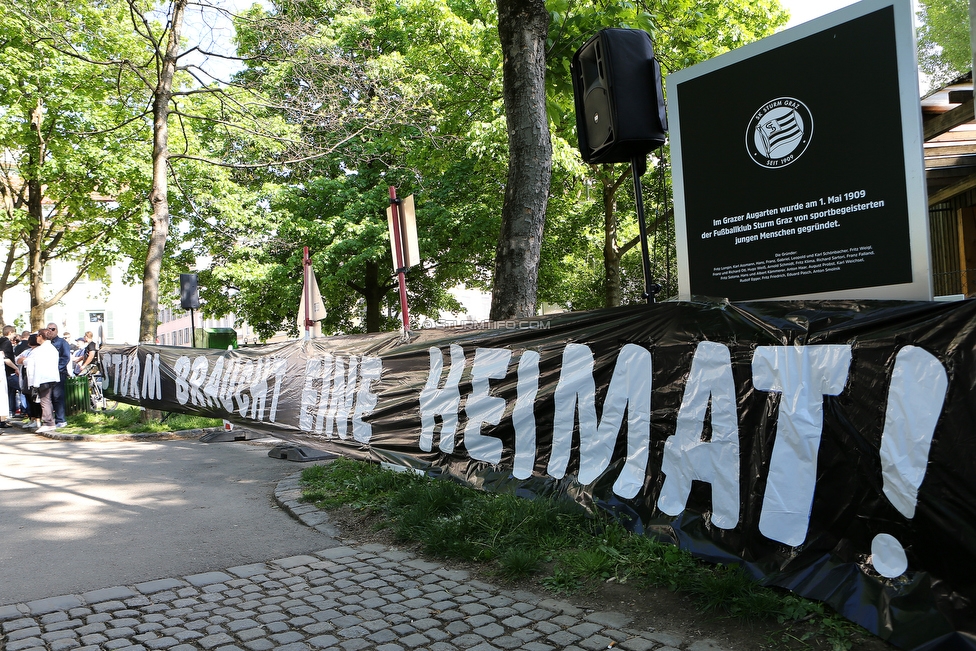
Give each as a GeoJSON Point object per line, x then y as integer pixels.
{"type": "Point", "coordinates": [340, 598]}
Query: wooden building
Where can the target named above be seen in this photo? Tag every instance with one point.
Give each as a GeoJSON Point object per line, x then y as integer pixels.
{"type": "Point", "coordinates": [949, 128]}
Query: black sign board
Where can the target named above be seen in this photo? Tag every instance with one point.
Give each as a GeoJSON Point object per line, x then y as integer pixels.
{"type": "Point", "coordinates": [798, 163]}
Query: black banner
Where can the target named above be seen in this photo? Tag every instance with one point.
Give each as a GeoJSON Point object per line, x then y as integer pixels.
{"type": "Point", "coordinates": [827, 447]}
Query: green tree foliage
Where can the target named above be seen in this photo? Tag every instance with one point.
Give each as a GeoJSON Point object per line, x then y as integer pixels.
{"type": "Point", "coordinates": [944, 50]}
{"type": "Point", "coordinates": [409, 91]}
{"type": "Point", "coordinates": [337, 102]}
{"type": "Point", "coordinates": [180, 137]}
{"type": "Point", "coordinates": [591, 254]}
{"type": "Point", "coordinates": [71, 137]}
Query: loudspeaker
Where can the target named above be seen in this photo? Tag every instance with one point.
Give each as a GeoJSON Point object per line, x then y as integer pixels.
{"type": "Point", "coordinates": [619, 98]}
{"type": "Point", "coordinates": [189, 298]}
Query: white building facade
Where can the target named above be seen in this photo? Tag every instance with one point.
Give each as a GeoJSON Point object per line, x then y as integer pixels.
{"type": "Point", "coordinates": [109, 311]}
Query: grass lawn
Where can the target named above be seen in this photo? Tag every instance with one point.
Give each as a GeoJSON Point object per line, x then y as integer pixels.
{"type": "Point", "coordinates": [566, 549]}
{"type": "Point", "coordinates": [126, 419]}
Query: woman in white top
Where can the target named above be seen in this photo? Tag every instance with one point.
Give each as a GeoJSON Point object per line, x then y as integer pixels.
{"type": "Point", "coordinates": [43, 374]}
{"type": "Point", "coordinates": [33, 411]}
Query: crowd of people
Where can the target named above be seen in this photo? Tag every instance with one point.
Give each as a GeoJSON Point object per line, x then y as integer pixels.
{"type": "Point", "coordinates": [38, 365]}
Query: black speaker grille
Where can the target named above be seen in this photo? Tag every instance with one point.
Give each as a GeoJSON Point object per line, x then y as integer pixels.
{"type": "Point", "coordinates": [619, 97]}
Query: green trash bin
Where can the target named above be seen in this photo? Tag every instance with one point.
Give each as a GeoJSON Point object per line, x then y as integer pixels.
{"type": "Point", "coordinates": [216, 338]}
{"type": "Point", "coordinates": [76, 398]}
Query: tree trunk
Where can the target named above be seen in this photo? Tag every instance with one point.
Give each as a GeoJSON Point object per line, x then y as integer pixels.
{"type": "Point", "coordinates": [611, 255]}
{"type": "Point", "coordinates": [158, 199]}
{"type": "Point", "coordinates": [612, 251]}
{"type": "Point", "coordinates": [35, 252]}
{"type": "Point", "coordinates": [522, 29]}
{"type": "Point", "coordinates": [35, 210]}
{"type": "Point", "coordinates": [158, 196]}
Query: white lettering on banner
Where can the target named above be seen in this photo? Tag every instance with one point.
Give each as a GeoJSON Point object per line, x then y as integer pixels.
{"type": "Point", "coordinates": [131, 386]}
{"type": "Point", "coordinates": [444, 402]}
{"type": "Point", "coordinates": [337, 396]}
{"type": "Point", "coordinates": [482, 408]}
{"type": "Point", "coordinates": [276, 367]}
{"type": "Point", "coordinates": [328, 369]}
{"type": "Point", "coordinates": [151, 383]}
{"type": "Point", "coordinates": [310, 395]}
{"type": "Point", "coordinates": [687, 457]}
{"type": "Point", "coordinates": [245, 371]}
{"type": "Point", "coordinates": [270, 367]}
{"type": "Point", "coordinates": [259, 389]}
{"type": "Point", "coordinates": [371, 369]}
{"type": "Point", "coordinates": [630, 390]}
{"type": "Point", "coordinates": [575, 391]}
{"type": "Point", "coordinates": [198, 375]}
{"type": "Point", "coordinates": [118, 360]}
{"type": "Point", "coordinates": [123, 374]}
{"type": "Point", "coordinates": [181, 369]}
{"type": "Point", "coordinates": [328, 392]}
{"type": "Point", "coordinates": [329, 373]}
{"type": "Point", "coordinates": [226, 395]}
{"type": "Point", "coordinates": [523, 416]}
{"type": "Point", "coordinates": [212, 389]}
{"type": "Point", "coordinates": [343, 392]}
{"type": "Point", "coordinates": [915, 397]}
{"type": "Point", "coordinates": [228, 381]}
{"type": "Point", "coordinates": [110, 370]}
{"type": "Point", "coordinates": [803, 375]}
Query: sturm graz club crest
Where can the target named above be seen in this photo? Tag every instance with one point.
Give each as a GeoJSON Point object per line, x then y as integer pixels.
{"type": "Point", "coordinates": [779, 132]}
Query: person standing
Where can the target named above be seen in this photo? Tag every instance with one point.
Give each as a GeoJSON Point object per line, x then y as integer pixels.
{"type": "Point", "coordinates": [23, 344]}
{"type": "Point", "coordinates": [12, 374]}
{"type": "Point", "coordinates": [19, 349]}
{"type": "Point", "coordinates": [61, 388]}
{"type": "Point", "coordinates": [44, 376]}
{"type": "Point", "coordinates": [89, 351]}
{"type": "Point", "coordinates": [33, 409]}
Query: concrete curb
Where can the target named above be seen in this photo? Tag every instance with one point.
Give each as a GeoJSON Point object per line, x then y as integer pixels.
{"type": "Point", "coordinates": [287, 495]}
{"type": "Point", "coordinates": [135, 436]}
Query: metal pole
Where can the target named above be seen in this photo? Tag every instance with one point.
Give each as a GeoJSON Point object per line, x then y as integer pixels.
{"type": "Point", "coordinates": [972, 33]}
{"type": "Point", "coordinates": [638, 166]}
{"type": "Point", "coordinates": [306, 291]}
{"type": "Point", "coordinates": [193, 329]}
{"type": "Point", "coordinates": [398, 250]}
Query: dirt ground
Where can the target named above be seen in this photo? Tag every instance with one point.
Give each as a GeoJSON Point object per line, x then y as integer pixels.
{"type": "Point", "coordinates": [649, 608]}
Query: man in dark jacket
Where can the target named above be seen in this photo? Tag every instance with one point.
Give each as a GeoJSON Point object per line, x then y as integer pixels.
{"type": "Point", "coordinates": [61, 388]}
{"type": "Point", "coordinates": [22, 345]}
{"type": "Point", "coordinates": [12, 373]}
{"type": "Point", "coordinates": [18, 349]}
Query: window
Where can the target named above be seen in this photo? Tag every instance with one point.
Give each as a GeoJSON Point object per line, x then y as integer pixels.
{"type": "Point", "coordinates": [100, 324]}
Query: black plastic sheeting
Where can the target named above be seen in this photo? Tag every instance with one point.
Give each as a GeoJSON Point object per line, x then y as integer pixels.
{"type": "Point", "coordinates": [852, 425]}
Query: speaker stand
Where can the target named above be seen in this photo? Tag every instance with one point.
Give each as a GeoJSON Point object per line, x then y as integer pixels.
{"type": "Point", "coordinates": [638, 165]}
